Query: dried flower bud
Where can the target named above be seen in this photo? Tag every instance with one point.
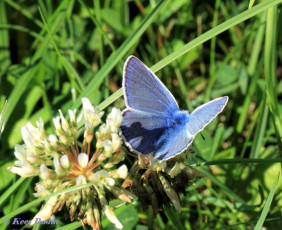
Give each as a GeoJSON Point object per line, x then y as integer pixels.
{"type": "Point", "coordinates": [112, 217]}
{"type": "Point", "coordinates": [170, 193]}
{"type": "Point", "coordinates": [175, 170]}
{"type": "Point", "coordinates": [46, 212]}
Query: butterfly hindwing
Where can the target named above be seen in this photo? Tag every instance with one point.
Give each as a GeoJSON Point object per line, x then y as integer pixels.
{"type": "Point", "coordinates": [142, 130]}
{"type": "Point", "coordinates": [164, 137]}
{"type": "Point", "coordinates": [175, 142]}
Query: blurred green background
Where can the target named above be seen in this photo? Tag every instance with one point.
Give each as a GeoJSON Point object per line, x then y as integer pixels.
{"type": "Point", "coordinates": [200, 50]}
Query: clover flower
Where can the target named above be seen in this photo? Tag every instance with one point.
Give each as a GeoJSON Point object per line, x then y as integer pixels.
{"type": "Point", "coordinates": [159, 184]}
{"type": "Point", "coordinates": [60, 161]}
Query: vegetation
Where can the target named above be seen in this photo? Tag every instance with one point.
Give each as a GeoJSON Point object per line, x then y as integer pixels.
{"type": "Point", "coordinates": [53, 53]}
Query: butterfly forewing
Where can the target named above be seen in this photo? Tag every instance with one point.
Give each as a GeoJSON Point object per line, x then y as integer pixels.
{"type": "Point", "coordinates": [204, 114]}
{"type": "Point", "coordinates": [144, 91]}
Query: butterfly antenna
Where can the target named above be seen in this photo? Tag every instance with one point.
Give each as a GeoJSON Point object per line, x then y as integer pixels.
{"type": "Point", "coordinates": [203, 136]}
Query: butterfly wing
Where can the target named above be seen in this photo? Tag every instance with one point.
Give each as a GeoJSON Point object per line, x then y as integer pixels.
{"type": "Point", "coordinates": [143, 91]}
{"type": "Point", "coordinates": [163, 137]}
{"type": "Point", "coordinates": [141, 131]}
{"type": "Point", "coordinates": [204, 114]}
{"type": "Point", "coordinates": [149, 120]}
{"type": "Point", "coordinates": [175, 142]}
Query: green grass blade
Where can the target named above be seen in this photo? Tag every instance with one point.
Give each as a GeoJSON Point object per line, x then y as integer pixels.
{"type": "Point", "coordinates": [66, 66]}
{"type": "Point", "coordinates": [267, 204]}
{"type": "Point", "coordinates": [25, 12]}
{"type": "Point", "coordinates": [4, 41]}
{"type": "Point", "coordinates": [227, 190]}
{"type": "Point", "coordinates": [118, 55]}
{"type": "Point", "coordinates": [236, 161]}
{"type": "Point", "coordinates": [74, 225]}
{"type": "Point", "coordinates": [215, 31]}
{"type": "Point", "coordinates": [11, 190]}
{"type": "Point", "coordinates": [39, 200]}
{"type": "Point", "coordinates": [200, 40]}
{"type": "Point", "coordinates": [21, 28]}
{"type": "Point", "coordinates": [25, 79]}
{"type": "Point", "coordinates": [254, 70]}
{"type": "Point", "coordinates": [270, 60]}
{"type": "Point", "coordinates": [260, 131]}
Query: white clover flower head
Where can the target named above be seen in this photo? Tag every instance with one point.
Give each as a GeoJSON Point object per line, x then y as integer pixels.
{"type": "Point", "coordinates": [62, 160]}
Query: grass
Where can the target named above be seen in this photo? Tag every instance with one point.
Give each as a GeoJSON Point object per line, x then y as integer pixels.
{"type": "Point", "coordinates": [53, 53]}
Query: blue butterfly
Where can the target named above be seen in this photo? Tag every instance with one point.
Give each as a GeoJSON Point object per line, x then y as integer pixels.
{"type": "Point", "coordinates": [152, 121]}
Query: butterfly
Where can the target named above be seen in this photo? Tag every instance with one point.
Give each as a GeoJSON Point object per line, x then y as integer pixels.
{"type": "Point", "coordinates": [152, 121]}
